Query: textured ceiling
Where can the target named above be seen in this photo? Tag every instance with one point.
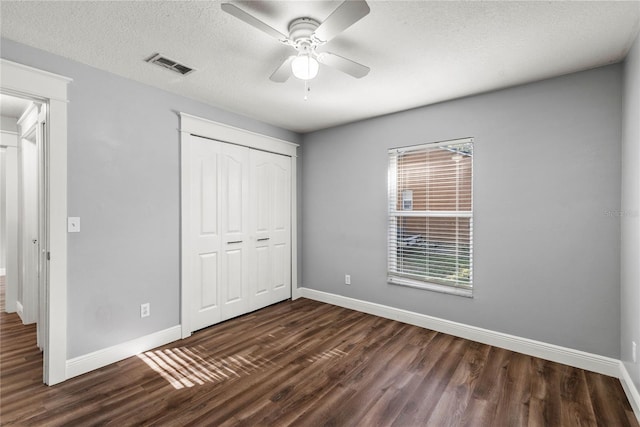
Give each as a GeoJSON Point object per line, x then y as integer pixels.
{"type": "Point", "coordinates": [420, 52]}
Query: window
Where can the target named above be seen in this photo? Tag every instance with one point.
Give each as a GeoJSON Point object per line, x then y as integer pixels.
{"type": "Point", "coordinates": [431, 216]}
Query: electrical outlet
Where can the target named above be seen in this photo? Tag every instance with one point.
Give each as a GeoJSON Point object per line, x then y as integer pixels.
{"type": "Point", "coordinates": [145, 310]}
{"type": "Point", "coordinates": [633, 351]}
{"type": "Point", "coordinates": [347, 279]}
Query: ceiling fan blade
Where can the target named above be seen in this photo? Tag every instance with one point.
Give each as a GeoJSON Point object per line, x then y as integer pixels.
{"type": "Point", "coordinates": [232, 9]}
{"type": "Point", "coordinates": [347, 14]}
{"type": "Point", "coordinates": [283, 72]}
{"type": "Point", "coordinates": [343, 64]}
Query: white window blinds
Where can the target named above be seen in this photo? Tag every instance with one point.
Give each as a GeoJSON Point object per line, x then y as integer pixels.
{"type": "Point", "coordinates": [431, 216]}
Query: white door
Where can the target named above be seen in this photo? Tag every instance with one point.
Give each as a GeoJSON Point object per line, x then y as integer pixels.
{"type": "Point", "coordinates": [29, 240]}
{"type": "Point", "coordinates": [206, 173]}
{"type": "Point", "coordinates": [270, 206]}
{"type": "Point", "coordinates": [219, 231]}
{"type": "Point", "coordinates": [240, 230]}
{"type": "Point", "coordinates": [234, 210]}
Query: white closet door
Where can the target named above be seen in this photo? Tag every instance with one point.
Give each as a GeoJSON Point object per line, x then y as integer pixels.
{"type": "Point", "coordinates": [270, 207]}
{"type": "Point", "coordinates": [240, 230]}
{"type": "Point", "coordinates": [206, 176]}
{"type": "Point", "coordinates": [235, 231]}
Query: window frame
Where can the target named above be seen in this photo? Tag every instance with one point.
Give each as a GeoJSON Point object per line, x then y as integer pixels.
{"type": "Point", "coordinates": [395, 212]}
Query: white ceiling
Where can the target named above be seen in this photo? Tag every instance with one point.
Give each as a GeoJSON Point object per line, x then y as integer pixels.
{"type": "Point", "coordinates": [420, 52]}
{"type": "Point", "coordinates": [13, 107]}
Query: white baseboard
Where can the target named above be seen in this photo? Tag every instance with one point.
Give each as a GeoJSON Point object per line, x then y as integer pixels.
{"type": "Point", "coordinates": [20, 310]}
{"type": "Point", "coordinates": [296, 293]}
{"type": "Point", "coordinates": [576, 358]}
{"type": "Point", "coordinates": [630, 390]}
{"type": "Point", "coordinates": [98, 359]}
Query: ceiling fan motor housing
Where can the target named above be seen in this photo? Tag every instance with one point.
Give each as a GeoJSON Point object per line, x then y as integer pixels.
{"type": "Point", "coordinates": [301, 34]}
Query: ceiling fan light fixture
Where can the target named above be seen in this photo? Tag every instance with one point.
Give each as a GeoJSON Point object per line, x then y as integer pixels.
{"type": "Point", "coordinates": [305, 35]}
{"type": "Point", "coordinates": [304, 67]}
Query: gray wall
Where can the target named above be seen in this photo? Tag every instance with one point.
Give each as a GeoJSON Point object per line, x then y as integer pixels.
{"type": "Point", "coordinates": [123, 153]}
{"type": "Point", "coordinates": [630, 214]}
{"type": "Point", "coordinates": [546, 193]}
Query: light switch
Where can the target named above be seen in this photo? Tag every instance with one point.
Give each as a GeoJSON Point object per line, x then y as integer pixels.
{"type": "Point", "coordinates": [73, 224]}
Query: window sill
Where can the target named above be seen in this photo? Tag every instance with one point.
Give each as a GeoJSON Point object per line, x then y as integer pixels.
{"type": "Point", "coordinates": [401, 281]}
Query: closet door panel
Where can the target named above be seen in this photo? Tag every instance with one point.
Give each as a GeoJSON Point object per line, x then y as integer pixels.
{"type": "Point", "coordinates": [235, 231]}
{"type": "Point", "coordinates": [270, 185]}
{"type": "Point", "coordinates": [280, 262]}
{"type": "Point", "coordinates": [263, 270]}
{"type": "Point", "coordinates": [208, 191]}
{"type": "Point", "coordinates": [234, 192]}
{"type": "Point", "coordinates": [205, 177]}
{"type": "Point", "coordinates": [208, 280]}
{"type": "Point", "coordinates": [260, 190]}
{"type": "Point", "coordinates": [233, 276]}
{"type": "Point", "coordinates": [282, 196]}
{"type": "Point", "coordinates": [281, 228]}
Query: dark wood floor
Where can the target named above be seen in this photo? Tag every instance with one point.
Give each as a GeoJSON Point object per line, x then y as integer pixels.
{"type": "Point", "coordinates": [306, 363]}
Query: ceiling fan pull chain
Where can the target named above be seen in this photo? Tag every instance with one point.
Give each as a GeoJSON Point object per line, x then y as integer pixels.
{"type": "Point", "coordinates": [307, 90]}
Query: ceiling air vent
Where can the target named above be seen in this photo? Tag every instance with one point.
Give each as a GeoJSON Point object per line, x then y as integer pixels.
{"type": "Point", "coordinates": [170, 64]}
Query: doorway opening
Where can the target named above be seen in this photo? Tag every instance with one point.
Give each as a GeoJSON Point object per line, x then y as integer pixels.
{"type": "Point", "coordinates": [47, 123]}
{"type": "Point", "coordinates": [24, 204]}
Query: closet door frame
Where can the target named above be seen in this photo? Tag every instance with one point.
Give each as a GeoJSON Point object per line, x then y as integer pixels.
{"type": "Point", "coordinates": [195, 126]}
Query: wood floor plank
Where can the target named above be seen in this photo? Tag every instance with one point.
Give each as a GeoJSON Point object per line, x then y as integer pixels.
{"type": "Point", "coordinates": [451, 408]}
{"type": "Point", "coordinates": [574, 394]}
{"type": "Point", "coordinates": [545, 403]}
{"type": "Point", "coordinates": [610, 405]}
{"type": "Point", "coordinates": [307, 363]}
{"type": "Point", "coordinates": [435, 374]}
{"type": "Point", "coordinates": [436, 382]}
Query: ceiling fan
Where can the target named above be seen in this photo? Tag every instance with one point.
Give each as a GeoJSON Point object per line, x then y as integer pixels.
{"type": "Point", "coordinates": [306, 35]}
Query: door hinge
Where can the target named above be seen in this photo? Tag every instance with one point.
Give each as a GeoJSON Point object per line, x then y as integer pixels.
{"type": "Point", "coordinates": [48, 256]}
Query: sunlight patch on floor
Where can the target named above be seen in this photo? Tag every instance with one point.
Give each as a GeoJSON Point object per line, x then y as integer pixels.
{"type": "Point", "coordinates": [189, 366]}
{"type": "Point", "coordinates": [329, 354]}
